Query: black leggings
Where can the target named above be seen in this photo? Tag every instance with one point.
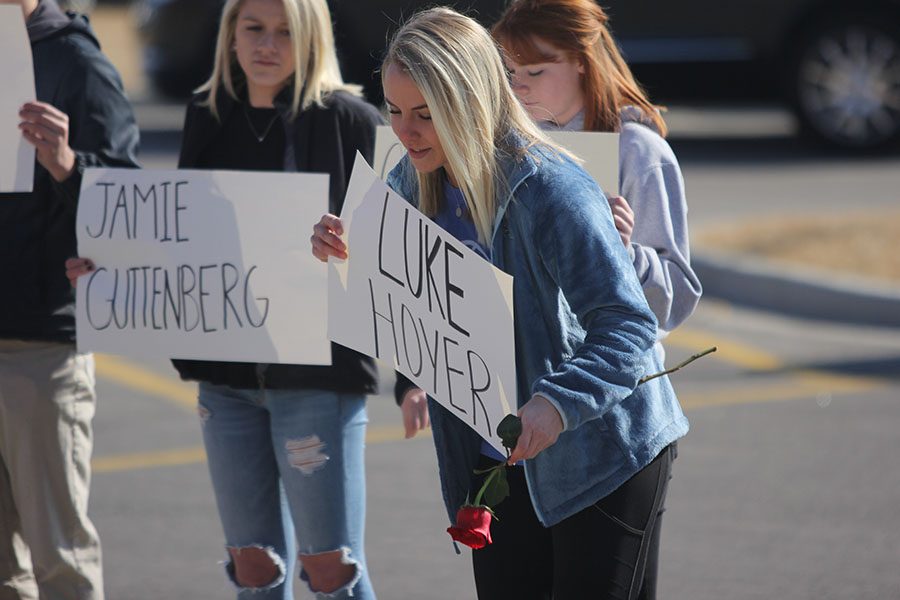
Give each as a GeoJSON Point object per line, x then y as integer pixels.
{"type": "Point", "coordinates": [608, 550]}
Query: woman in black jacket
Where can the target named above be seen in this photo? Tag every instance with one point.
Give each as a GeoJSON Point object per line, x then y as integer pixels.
{"type": "Point", "coordinates": [295, 431]}
{"type": "Point", "coordinates": [284, 442]}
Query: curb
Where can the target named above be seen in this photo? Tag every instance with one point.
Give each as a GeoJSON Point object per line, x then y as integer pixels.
{"type": "Point", "coordinates": [796, 291]}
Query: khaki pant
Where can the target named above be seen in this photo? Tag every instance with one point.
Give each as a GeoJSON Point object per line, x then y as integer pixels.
{"type": "Point", "coordinates": [49, 548]}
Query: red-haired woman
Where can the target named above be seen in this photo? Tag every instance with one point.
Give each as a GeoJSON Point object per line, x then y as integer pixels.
{"type": "Point", "coordinates": [567, 70]}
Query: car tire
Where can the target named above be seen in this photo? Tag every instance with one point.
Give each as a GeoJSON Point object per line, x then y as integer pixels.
{"type": "Point", "coordinates": [844, 82]}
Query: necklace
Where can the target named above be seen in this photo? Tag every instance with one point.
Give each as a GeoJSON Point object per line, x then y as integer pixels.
{"type": "Point", "coordinates": [260, 136]}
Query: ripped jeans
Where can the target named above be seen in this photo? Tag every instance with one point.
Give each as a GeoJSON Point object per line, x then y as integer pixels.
{"type": "Point", "coordinates": [285, 462]}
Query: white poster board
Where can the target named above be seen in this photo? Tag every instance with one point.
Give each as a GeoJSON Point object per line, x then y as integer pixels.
{"type": "Point", "coordinates": [599, 151]}
{"type": "Point", "coordinates": [212, 265]}
{"type": "Point", "coordinates": [412, 295]}
{"type": "Point", "coordinates": [17, 75]}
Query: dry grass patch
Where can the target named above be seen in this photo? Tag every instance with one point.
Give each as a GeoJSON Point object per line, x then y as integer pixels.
{"type": "Point", "coordinates": [860, 244]}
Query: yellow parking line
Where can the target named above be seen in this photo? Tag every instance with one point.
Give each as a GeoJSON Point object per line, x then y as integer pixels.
{"type": "Point", "coordinates": [146, 460]}
{"type": "Point", "coordinates": [795, 389]}
{"type": "Point", "coordinates": [729, 351]}
{"type": "Point", "coordinates": [839, 383]}
{"type": "Point", "coordinates": [386, 433]}
{"type": "Point", "coordinates": [803, 383]}
{"type": "Point", "coordinates": [189, 456]}
{"type": "Point", "coordinates": [747, 357]}
{"type": "Point", "coordinates": [127, 374]}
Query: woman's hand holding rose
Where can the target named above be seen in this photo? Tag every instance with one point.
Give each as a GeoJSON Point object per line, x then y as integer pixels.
{"type": "Point", "coordinates": [541, 426]}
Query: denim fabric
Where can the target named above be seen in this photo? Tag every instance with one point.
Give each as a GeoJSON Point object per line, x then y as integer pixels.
{"type": "Point", "coordinates": [285, 460]}
{"type": "Point", "coordinates": [584, 337]}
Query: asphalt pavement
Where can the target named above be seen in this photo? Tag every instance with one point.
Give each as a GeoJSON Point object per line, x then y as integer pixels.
{"type": "Point", "coordinates": [785, 487]}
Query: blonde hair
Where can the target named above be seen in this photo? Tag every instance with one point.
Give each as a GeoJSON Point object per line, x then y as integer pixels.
{"type": "Point", "coordinates": [316, 70]}
{"type": "Point", "coordinates": [456, 66]}
{"type": "Point", "coordinates": [578, 28]}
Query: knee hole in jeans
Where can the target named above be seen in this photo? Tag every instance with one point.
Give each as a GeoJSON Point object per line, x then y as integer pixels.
{"type": "Point", "coordinates": [255, 567]}
{"type": "Point", "coordinates": [329, 572]}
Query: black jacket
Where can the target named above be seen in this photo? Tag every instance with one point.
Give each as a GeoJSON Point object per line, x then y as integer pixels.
{"type": "Point", "coordinates": [37, 229]}
{"type": "Point", "coordinates": [319, 140]}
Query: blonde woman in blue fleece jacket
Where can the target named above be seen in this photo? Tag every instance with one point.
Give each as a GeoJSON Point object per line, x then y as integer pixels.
{"type": "Point", "coordinates": [568, 73]}
{"type": "Point", "coordinates": [596, 449]}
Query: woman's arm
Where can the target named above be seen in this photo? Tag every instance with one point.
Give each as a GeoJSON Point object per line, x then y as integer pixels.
{"type": "Point", "coordinates": [583, 254]}
{"type": "Point", "coordinates": [660, 246]}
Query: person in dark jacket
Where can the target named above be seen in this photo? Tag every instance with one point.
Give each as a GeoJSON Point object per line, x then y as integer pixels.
{"type": "Point", "coordinates": [48, 546]}
{"type": "Point", "coordinates": [267, 427]}
{"type": "Point", "coordinates": [276, 102]}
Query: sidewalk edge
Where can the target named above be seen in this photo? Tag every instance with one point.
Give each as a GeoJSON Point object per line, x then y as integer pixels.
{"type": "Point", "coordinates": [749, 282]}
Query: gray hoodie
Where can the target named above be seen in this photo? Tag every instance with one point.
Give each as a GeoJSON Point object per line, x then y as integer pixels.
{"type": "Point", "coordinates": [650, 180]}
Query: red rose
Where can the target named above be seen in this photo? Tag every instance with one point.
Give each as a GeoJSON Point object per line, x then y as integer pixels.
{"type": "Point", "coordinates": [473, 526]}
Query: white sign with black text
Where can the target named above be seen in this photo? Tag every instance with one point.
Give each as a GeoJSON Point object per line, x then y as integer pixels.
{"type": "Point", "coordinates": [412, 295]}
{"type": "Point", "coordinates": [210, 265]}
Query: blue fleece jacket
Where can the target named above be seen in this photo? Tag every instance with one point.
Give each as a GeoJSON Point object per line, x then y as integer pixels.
{"type": "Point", "coordinates": [584, 337]}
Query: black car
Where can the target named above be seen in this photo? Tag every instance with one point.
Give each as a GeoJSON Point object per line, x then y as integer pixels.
{"type": "Point", "coordinates": [837, 64]}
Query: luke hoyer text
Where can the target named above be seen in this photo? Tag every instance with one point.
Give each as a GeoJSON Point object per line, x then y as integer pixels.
{"type": "Point", "coordinates": [207, 298]}
{"type": "Point", "coordinates": [425, 280]}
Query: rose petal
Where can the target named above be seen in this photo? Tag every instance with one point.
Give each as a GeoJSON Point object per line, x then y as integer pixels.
{"type": "Point", "coordinates": [472, 539]}
{"type": "Point", "coordinates": [473, 517]}
{"type": "Point", "coordinates": [473, 527]}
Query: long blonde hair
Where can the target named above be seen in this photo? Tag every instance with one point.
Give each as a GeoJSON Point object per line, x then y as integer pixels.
{"type": "Point", "coordinates": [578, 28]}
{"type": "Point", "coordinates": [456, 66]}
{"type": "Point", "coordinates": [316, 71]}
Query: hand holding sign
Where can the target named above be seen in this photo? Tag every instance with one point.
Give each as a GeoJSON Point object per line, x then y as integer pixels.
{"type": "Point", "coordinates": [47, 129]}
{"type": "Point", "coordinates": [76, 267]}
{"type": "Point", "coordinates": [623, 217]}
{"type": "Point", "coordinates": [326, 239]}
